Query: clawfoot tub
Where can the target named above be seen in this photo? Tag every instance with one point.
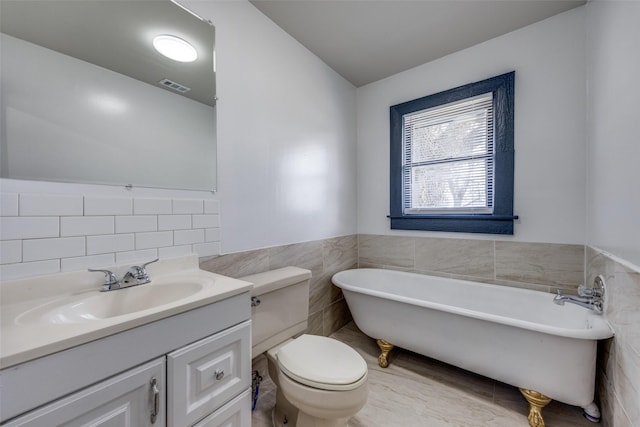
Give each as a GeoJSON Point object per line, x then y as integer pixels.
{"type": "Point", "coordinates": [512, 335]}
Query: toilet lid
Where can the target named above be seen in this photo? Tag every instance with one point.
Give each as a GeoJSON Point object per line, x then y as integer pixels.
{"type": "Point", "coordinates": [322, 362]}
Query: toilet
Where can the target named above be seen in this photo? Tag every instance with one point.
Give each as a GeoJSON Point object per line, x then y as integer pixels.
{"type": "Point", "coordinates": [320, 381]}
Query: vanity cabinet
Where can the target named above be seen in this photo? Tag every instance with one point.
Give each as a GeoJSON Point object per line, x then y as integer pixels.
{"type": "Point", "coordinates": [190, 369]}
{"type": "Point", "coordinates": [133, 398]}
{"type": "Point", "coordinates": [204, 375]}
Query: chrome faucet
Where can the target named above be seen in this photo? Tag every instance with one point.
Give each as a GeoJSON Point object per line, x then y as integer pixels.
{"type": "Point", "coordinates": [590, 298]}
{"type": "Point", "coordinates": [137, 275]}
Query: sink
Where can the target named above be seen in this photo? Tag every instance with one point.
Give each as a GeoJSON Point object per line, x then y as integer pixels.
{"type": "Point", "coordinates": [96, 305]}
{"type": "Point", "coordinates": [42, 315]}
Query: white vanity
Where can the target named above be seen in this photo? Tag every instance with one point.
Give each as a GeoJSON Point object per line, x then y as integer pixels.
{"type": "Point", "coordinates": [174, 352]}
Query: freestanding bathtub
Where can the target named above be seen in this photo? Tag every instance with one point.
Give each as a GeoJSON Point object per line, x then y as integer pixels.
{"type": "Point", "coordinates": [516, 336]}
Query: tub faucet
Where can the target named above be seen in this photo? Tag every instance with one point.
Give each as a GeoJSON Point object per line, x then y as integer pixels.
{"type": "Point", "coordinates": [591, 298]}
{"type": "Point", "coordinates": [591, 303]}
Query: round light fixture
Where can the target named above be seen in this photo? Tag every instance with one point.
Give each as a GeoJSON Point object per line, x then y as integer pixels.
{"type": "Point", "coordinates": [175, 48]}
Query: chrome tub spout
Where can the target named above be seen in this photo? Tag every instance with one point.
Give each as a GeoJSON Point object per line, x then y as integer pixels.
{"type": "Point", "coordinates": [591, 303]}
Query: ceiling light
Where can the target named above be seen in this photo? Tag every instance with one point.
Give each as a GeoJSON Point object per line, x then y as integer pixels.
{"type": "Point", "coordinates": [175, 48]}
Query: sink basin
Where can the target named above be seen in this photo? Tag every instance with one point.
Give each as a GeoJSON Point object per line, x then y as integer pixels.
{"type": "Point", "coordinates": [47, 314]}
{"type": "Point", "coordinates": [96, 305]}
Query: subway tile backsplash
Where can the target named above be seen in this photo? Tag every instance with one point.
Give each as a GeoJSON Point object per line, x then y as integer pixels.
{"type": "Point", "coordinates": [49, 233]}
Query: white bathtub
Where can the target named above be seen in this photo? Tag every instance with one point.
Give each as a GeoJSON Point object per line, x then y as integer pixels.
{"type": "Point", "coordinates": [516, 336]}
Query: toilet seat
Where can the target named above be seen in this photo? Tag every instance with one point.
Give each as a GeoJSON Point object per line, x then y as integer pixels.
{"type": "Point", "coordinates": [322, 363]}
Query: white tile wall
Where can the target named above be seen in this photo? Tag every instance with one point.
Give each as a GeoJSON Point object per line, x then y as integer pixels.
{"type": "Point", "coordinates": [188, 206]}
{"type": "Point", "coordinates": [49, 233]}
{"type": "Point", "coordinates": [211, 207]}
{"type": "Point", "coordinates": [10, 251]}
{"type": "Point", "coordinates": [17, 228]}
{"type": "Point", "coordinates": [86, 225]}
{"type": "Point", "coordinates": [108, 205]}
{"type": "Point", "coordinates": [129, 224]}
{"type": "Point", "coordinates": [184, 237]}
{"type": "Point", "coordinates": [82, 263]}
{"type": "Point", "coordinates": [175, 251]}
{"type": "Point", "coordinates": [9, 204]}
{"type": "Point", "coordinates": [212, 235]}
{"type": "Point", "coordinates": [151, 206]}
{"type": "Point", "coordinates": [110, 243]}
{"type": "Point", "coordinates": [135, 256]}
{"type": "Point", "coordinates": [155, 239]}
{"type": "Point", "coordinates": [63, 247]}
{"type": "Point", "coordinates": [174, 222]}
{"type": "Point", "coordinates": [50, 204]}
{"type": "Point", "coordinates": [205, 221]}
{"type": "Point", "coordinates": [26, 269]}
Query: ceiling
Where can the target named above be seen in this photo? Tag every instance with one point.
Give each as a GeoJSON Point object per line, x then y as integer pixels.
{"type": "Point", "coordinates": [368, 40]}
{"type": "Point", "coordinates": [117, 35]}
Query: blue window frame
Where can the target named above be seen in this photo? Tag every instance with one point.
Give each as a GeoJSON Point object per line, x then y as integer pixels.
{"type": "Point", "coordinates": [452, 159]}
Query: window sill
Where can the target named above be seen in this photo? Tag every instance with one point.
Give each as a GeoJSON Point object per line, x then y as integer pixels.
{"type": "Point", "coordinates": [489, 224]}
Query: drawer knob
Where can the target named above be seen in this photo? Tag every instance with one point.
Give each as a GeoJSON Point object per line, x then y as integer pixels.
{"type": "Point", "coordinates": [255, 301]}
{"type": "Point", "coordinates": [219, 374]}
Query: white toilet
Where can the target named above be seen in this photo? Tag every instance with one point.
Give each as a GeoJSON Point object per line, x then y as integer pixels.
{"type": "Point", "coordinates": [320, 381]}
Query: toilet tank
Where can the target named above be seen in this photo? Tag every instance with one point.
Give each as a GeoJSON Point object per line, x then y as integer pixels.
{"type": "Point", "coordinates": [283, 308]}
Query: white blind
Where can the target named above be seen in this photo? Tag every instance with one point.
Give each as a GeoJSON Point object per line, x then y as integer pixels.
{"type": "Point", "coordinates": [448, 158]}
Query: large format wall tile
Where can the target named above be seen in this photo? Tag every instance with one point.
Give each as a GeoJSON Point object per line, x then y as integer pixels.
{"type": "Point", "coordinates": [340, 253]}
{"type": "Point", "coordinates": [304, 255]}
{"type": "Point", "coordinates": [455, 256]}
{"type": "Point", "coordinates": [335, 316]}
{"type": "Point", "coordinates": [386, 250]}
{"type": "Point", "coordinates": [539, 266]}
{"type": "Point", "coordinates": [542, 263]}
{"type": "Point", "coordinates": [238, 264]}
{"type": "Point", "coordinates": [320, 294]}
{"type": "Point", "coordinates": [324, 258]}
{"type": "Point", "coordinates": [619, 357]}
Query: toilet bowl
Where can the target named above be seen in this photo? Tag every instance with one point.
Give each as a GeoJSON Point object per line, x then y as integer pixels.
{"type": "Point", "coordinates": [324, 379]}
{"type": "Point", "coordinates": [320, 381]}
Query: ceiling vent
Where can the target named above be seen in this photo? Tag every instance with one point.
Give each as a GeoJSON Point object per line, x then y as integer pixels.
{"type": "Point", "coordinates": [174, 86]}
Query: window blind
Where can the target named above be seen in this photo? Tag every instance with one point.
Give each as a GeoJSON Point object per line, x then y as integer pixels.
{"type": "Point", "coordinates": [448, 158]}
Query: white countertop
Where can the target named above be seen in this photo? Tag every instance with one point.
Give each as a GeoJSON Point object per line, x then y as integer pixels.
{"type": "Point", "coordinates": [21, 341]}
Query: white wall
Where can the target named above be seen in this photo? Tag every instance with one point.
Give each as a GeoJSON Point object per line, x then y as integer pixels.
{"type": "Point", "coordinates": [548, 58]}
{"type": "Point", "coordinates": [286, 134]}
{"type": "Point", "coordinates": [613, 156]}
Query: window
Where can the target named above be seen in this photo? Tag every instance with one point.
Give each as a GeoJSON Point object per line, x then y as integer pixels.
{"type": "Point", "coordinates": [452, 159]}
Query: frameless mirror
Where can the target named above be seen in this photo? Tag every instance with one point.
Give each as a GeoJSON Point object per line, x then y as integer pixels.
{"type": "Point", "coordinates": [86, 97]}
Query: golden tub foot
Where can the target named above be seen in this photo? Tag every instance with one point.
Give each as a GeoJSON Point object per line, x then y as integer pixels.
{"type": "Point", "coordinates": [537, 401]}
{"type": "Point", "coordinates": [385, 348]}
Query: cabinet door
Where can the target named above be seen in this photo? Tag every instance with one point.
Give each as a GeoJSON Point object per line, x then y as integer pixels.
{"type": "Point", "coordinates": [236, 413]}
{"type": "Point", "coordinates": [207, 374]}
{"type": "Point", "coordinates": [133, 398]}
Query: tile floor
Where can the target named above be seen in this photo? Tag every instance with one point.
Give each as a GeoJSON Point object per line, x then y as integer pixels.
{"type": "Point", "coordinates": [415, 391]}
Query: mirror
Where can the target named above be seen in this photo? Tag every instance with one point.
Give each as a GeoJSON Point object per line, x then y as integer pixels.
{"type": "Point", "coordinates": [86, 98]}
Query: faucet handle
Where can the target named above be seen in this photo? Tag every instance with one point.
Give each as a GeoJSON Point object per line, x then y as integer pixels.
{"type": "Point", "coordinates": [143, 266]}
{"type": "Point", "coordinates": [110, 279]}
{"type": "Point", "coordinates": [139, 272]}
{"type": "Point", "coordinates": [583, 291]}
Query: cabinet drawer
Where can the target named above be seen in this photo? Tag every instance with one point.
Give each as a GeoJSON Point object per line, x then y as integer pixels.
{"type": "Point", "coordinates": [236, 413]}
{"type": "Point", "coordinates": [128, 399]}
{"type": "Point", "coordinates": [207, 374]}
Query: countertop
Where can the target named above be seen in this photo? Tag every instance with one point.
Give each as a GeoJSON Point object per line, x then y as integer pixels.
{"type": "Point", "coordinates": [25, 336]}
